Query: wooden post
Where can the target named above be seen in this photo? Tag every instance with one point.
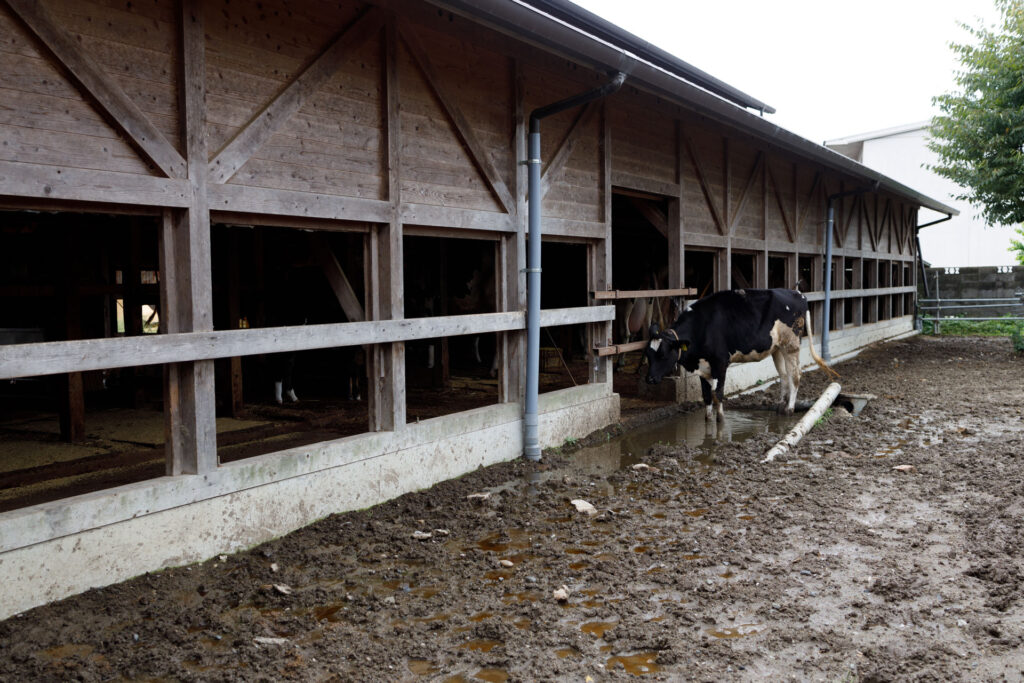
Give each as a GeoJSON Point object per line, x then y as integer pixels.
{"type": "Point", "coordinates": [676, 230]}
{"type": "Point", "coordinates": [186, 290]}
{"type": "Point", "coordinates": [512, 257]}
{"type": "Point", "coordinates": [234, 316]}
{"type": "Point", "coordinates": [444, 380]}
{"type": "Point", "coordinates": [599, 261]}
{"type": "Point", "coordinates": [71, 396]}
{"type": "Point", "coordinates": [385, 364]}
{"type": "Point", "coordinates": [382, 264]}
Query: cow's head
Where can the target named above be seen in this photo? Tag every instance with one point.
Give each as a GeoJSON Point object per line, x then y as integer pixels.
{"type": "Point", "coordinates": [664, 350]}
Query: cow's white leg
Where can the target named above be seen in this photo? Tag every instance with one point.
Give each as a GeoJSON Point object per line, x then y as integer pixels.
{"type": "Point", "coordinates": [430, 356]}
{"type": "Point", "coordinates": [277, 392]}
{"type": "Point", "coordinates": [476, 350]}
{"type": "Point", "coordinates": [718, 392]}
{"type": "Point", "coordinates": [793, 378]}
{"type": "Point", "coordinates": [705, 390]}
{"type": "Point", "coordinates": [494, 364]}
{"type": "Point", "coordinates": [780, 367]}
{"type": "Point", "coordinates": [290, 395]}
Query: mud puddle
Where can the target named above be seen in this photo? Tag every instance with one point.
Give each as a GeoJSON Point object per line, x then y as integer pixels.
{"type": "Point", "coordinates": [689, 428]}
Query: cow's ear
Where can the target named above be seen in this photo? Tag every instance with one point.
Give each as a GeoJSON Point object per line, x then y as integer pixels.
{"type": "Point", "coordinates": [655, 330]}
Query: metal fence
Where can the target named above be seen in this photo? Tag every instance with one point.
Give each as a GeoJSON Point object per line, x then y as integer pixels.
{"type": "Point", "coordinates": [960, 310]}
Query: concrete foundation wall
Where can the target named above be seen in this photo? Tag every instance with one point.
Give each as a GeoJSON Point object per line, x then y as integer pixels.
{"type": "Point", "coordinates": [51, 551]}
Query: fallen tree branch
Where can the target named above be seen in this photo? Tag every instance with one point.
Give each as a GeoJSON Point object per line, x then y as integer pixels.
{"type": "Point", "coordinates": [805, 423]}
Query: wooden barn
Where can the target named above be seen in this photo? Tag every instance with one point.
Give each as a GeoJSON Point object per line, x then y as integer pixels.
{"type": "Point", "coordinates": [265, 261]}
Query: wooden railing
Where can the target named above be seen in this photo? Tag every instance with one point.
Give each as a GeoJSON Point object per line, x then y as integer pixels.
{"type": "Point", "coordinates": [51, 358]}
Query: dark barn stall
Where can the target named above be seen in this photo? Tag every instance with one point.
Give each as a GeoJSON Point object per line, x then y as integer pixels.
{"type": "Point", "coordinates": [208, 207]}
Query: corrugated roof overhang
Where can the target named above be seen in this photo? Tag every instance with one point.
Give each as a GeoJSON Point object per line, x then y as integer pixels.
{"type": "Point", "coordinates": [561, 27]}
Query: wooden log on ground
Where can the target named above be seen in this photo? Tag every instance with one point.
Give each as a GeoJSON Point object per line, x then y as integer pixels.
{"type": "Point", "coordinates": [805, 423]}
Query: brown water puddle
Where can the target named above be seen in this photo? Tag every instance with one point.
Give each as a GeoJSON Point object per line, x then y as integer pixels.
{"type": "Point", "coordinates": [481, 645]}
{"type": "Point", "coordinates": [740, 631]}
{"type": "Point", "coordinates": [635, 665]}
{"type": "Point", "coordinates": [598, 628]}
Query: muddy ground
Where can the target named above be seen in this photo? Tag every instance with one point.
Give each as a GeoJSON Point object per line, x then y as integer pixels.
{"type": "Point", "coordinates": [828, 564]}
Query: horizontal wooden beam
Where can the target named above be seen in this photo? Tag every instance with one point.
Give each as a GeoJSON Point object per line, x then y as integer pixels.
{"type": "Point", "coordinates": [573, 316]}
{"type": "Point", "coordinates": [854, 293]}
{"type": "Point", "coordinates": [261, 200]}
{"type": "Point", "coordinates": [648, 186]}
{"type": "Point", "coordinates": [41, 181]}
{"type": "Point", "coordinates": [615, 349]}
{"type": "Point", "coordinates": [565, 227]}
{"type": "Point", "coordinates": [449, 217]}
{"type": "Point", "coordinates": [613, 294]}
{"type": "Point", "coordinates": [51, 358]}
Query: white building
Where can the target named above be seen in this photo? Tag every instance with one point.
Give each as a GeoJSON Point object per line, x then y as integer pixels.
{"type": "Point", "coordinates": [902, 154]}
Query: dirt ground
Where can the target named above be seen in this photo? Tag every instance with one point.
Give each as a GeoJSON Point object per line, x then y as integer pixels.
{"type": "Point", "coordinates": [828, 564]}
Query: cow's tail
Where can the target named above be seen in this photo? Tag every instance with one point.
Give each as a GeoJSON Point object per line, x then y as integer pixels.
{"type": "Point", "coordinates": [810, 344]}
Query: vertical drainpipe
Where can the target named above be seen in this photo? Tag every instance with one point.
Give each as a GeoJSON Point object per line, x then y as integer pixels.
{"type": "Point", "coordinates": [531, 441]}
{"type": "Point", "coordinates": [826, 319]}
{"type": "Point", "coordinates": [920, 263]}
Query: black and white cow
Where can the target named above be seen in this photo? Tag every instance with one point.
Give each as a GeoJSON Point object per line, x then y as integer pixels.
{"type": "Point", "coordinates": [736, 326]}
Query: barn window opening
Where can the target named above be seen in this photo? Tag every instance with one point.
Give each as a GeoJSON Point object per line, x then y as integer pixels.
{"type": "Point", "coordinates": [68, 276]}
{"type": "Point", "coordinates": [837, 314]}
{"type": "Point", "coordinates": [805, 274]}
{"type": "Point", "coordinates": [851, 279]}
{"type": "Point", "coordinates": [273, 276]}
{"type": "Point", "coordinates": [699, 271]}
{"type": "Point", "coordinates": [564, 357]}
{"type": "Point", "coordinates": [744, 270]}
{"type": "Point", "coordinates": [639, 241]}
{"type": "Point", "coordinates": [778, 273]}
{"type": "Point", "coordinates": [869, 280]}
{"type": "Point", "coordinates": [445, 277]}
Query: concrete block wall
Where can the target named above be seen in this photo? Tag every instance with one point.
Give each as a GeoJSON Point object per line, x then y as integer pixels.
{"type": "Point", "coordinates": [976, 283]}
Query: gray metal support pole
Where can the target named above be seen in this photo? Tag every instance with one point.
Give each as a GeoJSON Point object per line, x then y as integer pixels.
{"type": "Point", "coordinates": [531, 440]}
{"type": "Point", "coordinates": [827, 315]}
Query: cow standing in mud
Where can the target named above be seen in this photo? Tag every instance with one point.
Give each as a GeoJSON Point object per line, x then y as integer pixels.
{"type": "Point", "coordinates": [736, 326]}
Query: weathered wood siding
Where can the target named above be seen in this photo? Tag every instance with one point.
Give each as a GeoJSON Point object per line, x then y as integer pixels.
{"type": "Point", "coordinates": [332, 144]}
{"type": "Point", "coordinates": [326, 133]}
{"type": "Point", "coordinates": [44, 118]}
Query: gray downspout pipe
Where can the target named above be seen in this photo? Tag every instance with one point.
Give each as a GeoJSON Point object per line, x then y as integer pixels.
{"type": "Point", "coordinates": [920, 256]}
{"type": "Point", "coordinates": [531, 441]}
{"type": "Point", "coordinates": [826, 320]}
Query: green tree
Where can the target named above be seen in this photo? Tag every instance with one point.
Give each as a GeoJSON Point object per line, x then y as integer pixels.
{"type": "Point", "coordinates": [979, 134]}
{"type": "Point", "coordinates": [1017, 246]}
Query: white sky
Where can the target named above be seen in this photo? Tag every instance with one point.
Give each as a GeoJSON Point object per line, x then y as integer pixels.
{"type": "Point", "coordinates": [830, 69]}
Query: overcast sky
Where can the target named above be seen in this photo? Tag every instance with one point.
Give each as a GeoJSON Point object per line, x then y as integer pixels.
{"type": "Point", "coordinates": [830, 69]}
